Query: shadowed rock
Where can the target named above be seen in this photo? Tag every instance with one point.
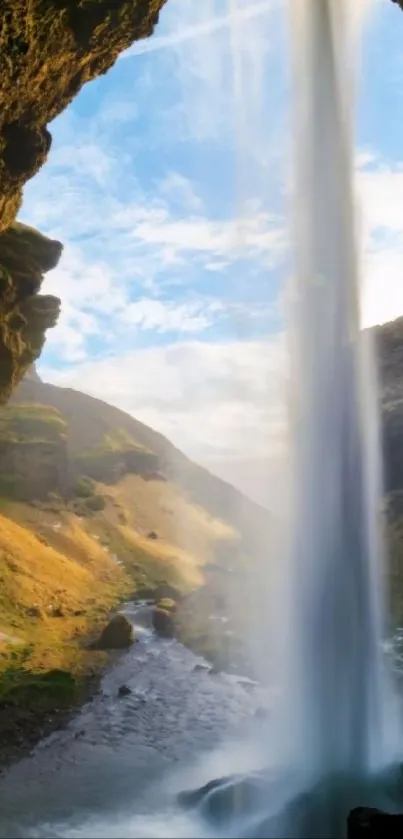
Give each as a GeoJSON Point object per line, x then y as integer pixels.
{"type": "Point", "coordinates": [163, 623]}
{"type": "Point", "coordinates": [25, 315]}
{"type": "Point", "coordinates": [369, 823]}
{"type": "Point", "coordinates": [224, 799]}
{"type": "Point", "coordinates": [117, 635]}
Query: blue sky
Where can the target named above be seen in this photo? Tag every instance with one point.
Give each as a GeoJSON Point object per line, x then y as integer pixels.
{"type": "Point", "coordinates": [167, 182]}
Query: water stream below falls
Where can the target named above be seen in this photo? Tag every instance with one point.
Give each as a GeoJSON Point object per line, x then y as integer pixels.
{"type": "Point", "coordinates": [122, 759]}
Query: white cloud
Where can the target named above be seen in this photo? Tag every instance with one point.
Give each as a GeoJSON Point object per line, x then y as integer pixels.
{"type": "Point", "coordinates": [380, 190]}
{"type": "Point", "coordinates": [140, 248]}
{"type": "Point", "coordinates": [179, 190]}
{"type": "Point", "coordinates": [214, 401]}
{"type": "Point", "coordinates": [206, 25]}
{"type": "Point", "coordinates": [169, 317]}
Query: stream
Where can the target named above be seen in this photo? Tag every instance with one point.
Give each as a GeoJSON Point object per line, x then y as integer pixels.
{"type": "Point", "coordinates": [121, 761]}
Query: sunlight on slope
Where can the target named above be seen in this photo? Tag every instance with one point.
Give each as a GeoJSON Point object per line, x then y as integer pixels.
{"type": "Point", "coordinates": [49, 600]}
{"type": "Point", "coordinates": [160, 506]}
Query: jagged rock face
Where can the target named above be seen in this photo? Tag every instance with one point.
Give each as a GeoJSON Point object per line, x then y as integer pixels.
{"type": "Point", "coordinates": [48, 50]}
{"type": "Point", "coordinates": [389, 339]}
{"type": "Point", "coordinates": [33, 452]}
{"type": "Point", "coordinates": [25, 255]}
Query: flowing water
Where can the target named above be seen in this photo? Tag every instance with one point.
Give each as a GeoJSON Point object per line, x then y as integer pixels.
{"type": "Point", "coordinates": [117, 769]}
{"type": "Point", "coordinates": [337, 549]}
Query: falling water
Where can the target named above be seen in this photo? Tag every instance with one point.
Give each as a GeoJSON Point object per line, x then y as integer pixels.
{"type": "Point", "coordinates": [336, 552]}
{"type": "Point", "coordinates": [332, 739]}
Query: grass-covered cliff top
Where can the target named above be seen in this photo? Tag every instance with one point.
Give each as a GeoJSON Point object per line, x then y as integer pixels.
{"type": "Point", "coordinates": [30, 423]}
{"type": "Point", "coordinates": [114, 442]}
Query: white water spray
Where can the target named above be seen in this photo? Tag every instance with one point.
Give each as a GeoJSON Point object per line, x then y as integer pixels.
{"type": "Point", "coordinates": [335, 689]}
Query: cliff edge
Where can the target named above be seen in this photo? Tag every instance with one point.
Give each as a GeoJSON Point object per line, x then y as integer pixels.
{"type": "Point", "coordinates": [48, 50]}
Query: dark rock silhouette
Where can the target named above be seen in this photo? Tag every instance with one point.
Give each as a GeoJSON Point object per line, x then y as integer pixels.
{"type": "Point", "coordinates": [117, 635]}
{"type": "Point", "coordinates": [369, 823]}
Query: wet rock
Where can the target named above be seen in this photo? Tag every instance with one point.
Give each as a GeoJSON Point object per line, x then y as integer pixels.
{"type": "Point", "coordinates": [117, 635]}
{"type": "Point", "coordinates": [370, 823]}
{"type": "Point", "coordinates": [166, 590]}
{"type": "Point", "coordinates": [123, 691]}
{"type": "Point", "coordinates": [168, 604]}
{"type": "Point", "coordinates": [198, 668]}
{"type": "Point", "coordinates": [163, 623]}
{"type": "Point", "coordinates": [222, 799]}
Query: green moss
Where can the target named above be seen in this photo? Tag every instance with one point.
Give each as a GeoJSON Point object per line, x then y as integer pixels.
{"type": "Point", "coordinates": [96, 503]}
{"type": "Point", "coordinates": [113, 443]}
{"type": "Point", "coordinates": [167, 604]}
{"type": "Point", "coordinates": [31, 424]}
{"type": "Point", "coordinates": [8, 486]}
{"type": "Point", "coordinates": [83, 487]}
{"type": "Point", "coordinates": [26, 689]}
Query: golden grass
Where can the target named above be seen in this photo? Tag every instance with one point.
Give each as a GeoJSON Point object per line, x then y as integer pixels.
{"type": "Point", "coordinates": [54, 563]}
{"type": "Point", "coordinates": [161, 506]}
{"type": "Point", "coordinates": [43, 589]}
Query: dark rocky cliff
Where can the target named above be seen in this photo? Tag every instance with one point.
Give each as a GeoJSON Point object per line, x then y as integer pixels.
{"type": "Point", "coordinates": [33, 452]}
{"type": "Point", "coordinates": [389, 341]}
{"type": "Point", "coordinates": [48, 50]}
{"type": "Point", "coordinates": [25, 256]}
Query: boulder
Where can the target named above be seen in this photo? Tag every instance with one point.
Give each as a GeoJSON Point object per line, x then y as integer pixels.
{"type": "Point", "coordinates": [117, 635]}
{"type": "Point", "coordinates": [123, 691]}
{"type": "Point", "coordinates": [370, 823]}
{"type": "Point", "coordinates": [166, 590]}
{"type": "Point", "coordinates": [163, 623]}
{"type": "Point", "coordinates": [223, 799]}
{"type": "Point", "coordinates": [167, 604]}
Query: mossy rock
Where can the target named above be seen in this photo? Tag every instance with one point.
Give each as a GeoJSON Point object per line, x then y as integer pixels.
{"type": "Point", "coordinates": [117, 635]}
{"type": "Point", "coordinates": [83, 487]}
{"type": "Point", "coordinates": [163, 623]}
{"type": "Point", "coordinates": [167, 604]}
{"type": "Point", "coordinates": [29, 689]}
{"type": "Point", "coordinates": [96, 503]}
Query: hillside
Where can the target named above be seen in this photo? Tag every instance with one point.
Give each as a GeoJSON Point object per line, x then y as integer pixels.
{"type": "Point", "coordinates": [96, 507]}
{"type": "Point", "coordinates": [103, 441]}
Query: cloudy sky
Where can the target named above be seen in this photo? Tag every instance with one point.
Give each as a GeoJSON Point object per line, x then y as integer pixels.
{"type": "Point", "coordinates": [167, 182]}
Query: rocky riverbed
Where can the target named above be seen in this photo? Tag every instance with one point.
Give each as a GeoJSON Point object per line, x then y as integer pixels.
{"type": "Point", "coordinates": [159, 709]}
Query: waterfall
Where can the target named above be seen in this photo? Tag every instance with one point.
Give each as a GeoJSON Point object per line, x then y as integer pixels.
{"type": "Point", "coordinates": [336, 552]}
